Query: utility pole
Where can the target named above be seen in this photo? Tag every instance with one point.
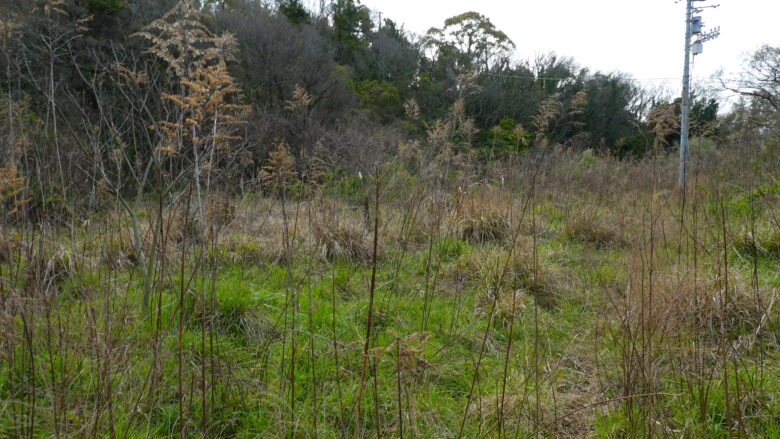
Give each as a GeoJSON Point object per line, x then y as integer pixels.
{"type": "Point", "coordinates": [693, 26]}
{"type": "Point", "coordinates": [686, 95]}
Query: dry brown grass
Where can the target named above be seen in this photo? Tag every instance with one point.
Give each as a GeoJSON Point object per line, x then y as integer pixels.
{"type": "Point", "coordinates": [220, 211]}
{"type": "Point", "coordinates": [46, 268]}
{"type": "Point", "coordinates": [255, 234]}
{"type": "Point", "coordinates": [246, 250]}
{"type": "Point", "coordinates": [509, 305]}
{"type": "Point", "coordinates": [593, 227]}
{"type": "Point", "coordinates": [341, 237]}
{"type": "Point", "coordinates": [490, 268]}
{"type": "Point", "coordinates": [9, 246]}
{"type": "Point", "coordinates": [484, 227]}
{"type": "Point", "coordinates": [118, 248]}
{"type": "Point", "coordinates": [684, 303]}
{"type": "Point", "coordinates": [481, 215]}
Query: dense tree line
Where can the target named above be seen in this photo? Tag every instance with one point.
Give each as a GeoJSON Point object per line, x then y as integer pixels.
{"type": "Point", "coordinates": [87, 100]}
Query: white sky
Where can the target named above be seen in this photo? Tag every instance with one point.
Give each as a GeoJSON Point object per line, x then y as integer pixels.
{"type": "Point", "coordinates": [642, 38]}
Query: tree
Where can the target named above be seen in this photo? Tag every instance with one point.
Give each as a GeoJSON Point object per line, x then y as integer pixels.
{"type": "Point", "coordinates": [516, 91]}
{"type": "Point", "coordinates": [294, 10]}
{"type": "Point", "coordinates": [50, 38]}
{"type": "Point", "coordinates": [703, 115]}
{"type": "Point", "coordinates": [756, 117]}
{"type": "Point", "coordinates": [473, 38]}
{"type": "Point", "coordinates": [351, 22]}
{"type": "Point", "coordinates": [8, 30]}
{"type": "Point", "coordinates": [608, 118]}
{"type": "Point", "coordinates": [105, 15]}
{"type": "Point", "coordinates": [390, 56]}
{"type": "Point", "coordinates": [275, 59]}
{"type": "Point", "coordinates": [761, 78]}
{"type": "Point", "coordinates": [556, 74]}
{"type": "Point", "coordinates": [507, 92]}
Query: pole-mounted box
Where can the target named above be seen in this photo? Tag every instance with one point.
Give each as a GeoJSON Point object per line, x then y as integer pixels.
{"type": "Point", "coordinates": [696, 25]}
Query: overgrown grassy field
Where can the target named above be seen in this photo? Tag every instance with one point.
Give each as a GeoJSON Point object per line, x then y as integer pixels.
{"type": "Point", "coordinates": [560, 294]}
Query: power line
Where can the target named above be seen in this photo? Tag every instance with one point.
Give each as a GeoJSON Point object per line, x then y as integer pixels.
{"type": "Point", "coordinates": [540, 78]}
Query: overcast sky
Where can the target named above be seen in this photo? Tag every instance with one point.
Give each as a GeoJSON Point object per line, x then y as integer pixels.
{"type": "Point", "coordinates": [642, 38]}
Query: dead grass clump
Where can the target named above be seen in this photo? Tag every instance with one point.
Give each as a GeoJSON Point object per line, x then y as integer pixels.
{"type": "Point", "coordinates": [9, 247]}
{"type": "Point", "coordinates": [234, 315]}
{"type": "Point", "coordinates": [256, 233]}
{"type": "Point", "coordinates": [178, 227]}
{"type": "Point", "coordinates": [490, 226]}
{"type": "Point", "coordinates": [255, 327]}
{"type": "Point", "coordinates": [480, 215]}
{"type": "Point", "coordinates": [117, 252]}
{"type": "Point", "coordinates": [220, 211]}
{"type": "Point", "coordinates": [243, 249]}
{"type": "Point", "coordinates": [46, 270]}
{"type": "Point", "coordinates": [118, 249]}
{"type": "Point", "coordinates": [408, 351]}
{"type": "Point", "coordinates": [702, 306]}
{"type": "Point", "coordinates": [593, 228]}
{"type": "Point", "coordinates": [7, 333]}
{"type": "Point", "coordinates": [342, 238]}
{"type": "Point", "coordinates": [509, 305]}
{"type": "Point", "coordinates": [544, 283]}
{"type": "Point", "coordinates": [744, 311]}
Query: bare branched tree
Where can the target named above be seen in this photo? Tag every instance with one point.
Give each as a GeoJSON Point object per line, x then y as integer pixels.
{"type": "Point", "coordinates": [761, 78]}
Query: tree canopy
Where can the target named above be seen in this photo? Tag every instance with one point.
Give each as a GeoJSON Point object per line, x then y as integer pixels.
{"type": "Point", "coordinates": [471, 39]}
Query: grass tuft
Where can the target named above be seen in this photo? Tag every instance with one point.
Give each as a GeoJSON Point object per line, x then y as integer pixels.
{"type": "Point", "coordinates": [592, 227]}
